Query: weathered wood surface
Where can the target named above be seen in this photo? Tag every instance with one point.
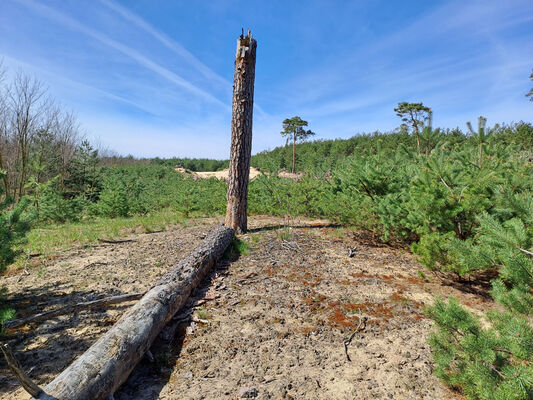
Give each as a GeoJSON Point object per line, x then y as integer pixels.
{"type": "Point", "coordinates": [98, 372]}
{"type": "Point", "coordinates": [19, 373]}
{"type": "Point", "coordinates": [241, 133]}
{"type": "Point", "coordinates": [72, 308]}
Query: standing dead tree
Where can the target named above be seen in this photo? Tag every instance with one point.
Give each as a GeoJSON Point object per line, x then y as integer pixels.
{"type": "Point", "coordinates": [241, 133]}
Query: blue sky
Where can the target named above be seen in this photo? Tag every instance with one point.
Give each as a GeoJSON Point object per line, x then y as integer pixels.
{"type": "Point", "coordinates": [154, 77]}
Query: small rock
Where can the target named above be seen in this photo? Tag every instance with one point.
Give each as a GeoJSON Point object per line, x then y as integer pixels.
{"type": "Point", "coordinates": [191, 328]}
{"type": "Point", "coordinates": [187, 375]}
{"type": "Point", "coordinates": [248, 392]}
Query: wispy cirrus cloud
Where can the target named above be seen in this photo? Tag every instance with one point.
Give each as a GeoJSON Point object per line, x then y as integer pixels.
{"type": "Point", "coordinates": [62, 83]}
{"type": "Point", "coordinates": [142, 60]}
{"type": "Point", "coordinates": [136, 74]}
{"type": "Point", "coordinates": [167, 42]}
{"type": "Point", "coordinates": [456, 55]}
{"type": "Point", "coordinates": [175, 47]}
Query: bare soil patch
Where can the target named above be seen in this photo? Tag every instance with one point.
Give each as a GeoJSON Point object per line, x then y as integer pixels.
{"type": "Point", "coordinates": [223, 174]}
{"type": "Point", "coordinates": [271, 324]}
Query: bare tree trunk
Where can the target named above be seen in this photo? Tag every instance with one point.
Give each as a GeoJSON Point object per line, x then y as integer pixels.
{"type": "Point", "coordinates": [241, 134]}
{"type": "Point", "coordinates": [28, 105]}
{"type": "Point", "coordinates": [293, 151]}
{"type": "Point", "coordinates": [99, 371]}
{"type": "Point", "coordinates": [3, 128]}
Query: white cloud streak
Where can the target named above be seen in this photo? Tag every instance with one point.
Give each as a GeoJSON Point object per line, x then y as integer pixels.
{"type": "Point", "coordinates": [70, 84]}
{"type": "Point", "coordinates": [174, 46]}
{"type": "Point", "coordinates": [125, 50]}
{"type": "Point", "coordinates": [171, 44]}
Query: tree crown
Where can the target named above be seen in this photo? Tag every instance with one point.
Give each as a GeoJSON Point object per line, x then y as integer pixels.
{"type": "Point", "coordinates": [294, 127]}
{"type": "Point", "coordinates": [412, 114]}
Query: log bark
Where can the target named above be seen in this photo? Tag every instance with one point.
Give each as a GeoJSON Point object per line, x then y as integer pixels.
{"type": "Point", "coordinates": [24, 380]}
{"type": "Point", "coordinates": [241, 134]}
{"type": "Point", "coordinates": [98, 372]}
{"type": "Point", "coordinates": [46, 315]}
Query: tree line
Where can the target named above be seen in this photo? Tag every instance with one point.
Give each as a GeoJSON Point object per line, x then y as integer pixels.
{"type": "Point", "coordinates": [38, 138]}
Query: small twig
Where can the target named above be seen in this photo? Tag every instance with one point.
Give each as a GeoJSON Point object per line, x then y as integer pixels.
{"type": "Point", "coordinates": [115, 241]}
{"type": "Point", "coordinates": [349, 340]}
{"type": "Point", "coordinates": [529, 253]}
{"type": "Point", "coordinates": [25, 272]}
{"type": "Point", "coordinates": [24, 380]}
{"type": "Point", "coordinates": [158, 231]}
{"type": "Point", "coordinates": [94, 264]}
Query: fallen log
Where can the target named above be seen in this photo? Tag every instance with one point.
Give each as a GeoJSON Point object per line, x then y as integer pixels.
{"type": "Point", "coordinates": [86, 305]}
{"type": "Point", "coordinates": [98, 372]}
{"type": "Point", "coordinates": [19, 373]}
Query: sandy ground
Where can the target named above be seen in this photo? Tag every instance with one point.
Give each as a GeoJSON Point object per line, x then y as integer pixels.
{"type": "Point", "coordinates": [223, 175]}
{"type": "Point", "coordinates": [270, 325]}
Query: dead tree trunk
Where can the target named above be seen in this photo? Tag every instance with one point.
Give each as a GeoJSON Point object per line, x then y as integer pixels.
{"type": "Point", "coordinates": [99, 371]}
{"type": "Point", "coordinates": [241, 133]}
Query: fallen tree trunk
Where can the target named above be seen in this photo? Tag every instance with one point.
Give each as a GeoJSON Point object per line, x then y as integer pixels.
{"type": "Point", "coordinates": [99, 371]}
{"type": "Point", "coordinates": [19, 373]}
{"type": "Point", "coordinates": [86, 305]}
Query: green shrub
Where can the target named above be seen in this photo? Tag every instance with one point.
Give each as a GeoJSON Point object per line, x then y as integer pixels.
{"type": "Point", "coordinates": [13, 227]}
{"type": "Point", "coordinates": [114, 200]}
{"type": "Point", "coordinates": [492, 361]}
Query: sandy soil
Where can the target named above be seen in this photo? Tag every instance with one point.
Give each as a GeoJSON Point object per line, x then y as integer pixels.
{"type": "Point", "coordinates": [223, 175]}
{"type": "Point", "coordinates": [270, 325]}
{"type": "Point", "coordinates": [254, 173]}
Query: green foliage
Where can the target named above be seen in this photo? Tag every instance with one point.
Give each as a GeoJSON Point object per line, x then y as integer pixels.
{"type": "Point", "coordinates": [236, 249]}
{"type": "Point", "coordinates": [6, 312]}
{"type": "Point", "coordinates": [293, 129]}
{"type": "Point", "coordinates": [13, 227]}
{"type": "Point", "coordinates": [530, 93]}
{"type": "Point", "coordinates": [50, 204]}
{"type": "Point", "coordinates": [139, 190]}
{"type": "Point", "coordinates": [193, 164]}
{"type": "Point", "coordinates": [492, 361]}
{"type": "Point", "coordinates": [84, 176]}
{"type": "Point", "coordinates": [413, 115]}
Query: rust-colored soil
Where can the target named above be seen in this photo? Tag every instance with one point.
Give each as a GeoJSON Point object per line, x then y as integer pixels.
{"type": "Point", "coordinates": [271, 324]}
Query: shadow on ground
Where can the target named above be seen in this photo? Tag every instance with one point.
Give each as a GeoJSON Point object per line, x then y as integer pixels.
{"type": "Point", "coordinates": [295, 226]}
{"type": "Point", "coordinates": [152, 374]}
{"type": "Point", "coordinates": [36, 345]}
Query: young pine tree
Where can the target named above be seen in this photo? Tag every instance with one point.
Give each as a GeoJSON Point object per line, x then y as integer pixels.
{"type": "Point", "coordinates": [12, 230]}
{"type": "Point", "coordinates": [492, 361]}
